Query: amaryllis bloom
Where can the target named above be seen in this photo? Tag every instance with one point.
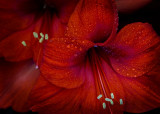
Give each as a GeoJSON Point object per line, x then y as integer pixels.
{"type": "Point", "coordinates": [65, 56]}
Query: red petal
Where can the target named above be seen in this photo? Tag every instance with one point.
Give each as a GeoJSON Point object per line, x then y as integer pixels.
{"type": "Point", "coordinates": [139, 94]}
{"type": "Point", "coordinates": [17, 21]}
{"type": "Point", "coordinates": [142, 93]}
{"type": "Point", "coordinates": [16, 82]}
{"type": "Point", "coordinates": [63, 61]}
{"type": "Point", "coordinates": [47, 98]}
{"type": "Point", "coordinates": [134, 52]}
{"type": "Point", "coordinates": [52, 26]}
{"type": "Point", "coordinates": [100, 78]}
{"type": "Point", "coordinates": [92, 20]}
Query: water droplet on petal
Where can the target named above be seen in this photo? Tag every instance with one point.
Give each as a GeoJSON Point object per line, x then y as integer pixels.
{"type": "Point", "coordinates": [68, 46]}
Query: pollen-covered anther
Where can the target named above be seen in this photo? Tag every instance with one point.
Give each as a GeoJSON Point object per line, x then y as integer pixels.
{"type": "Point", "coordinates": [42, 35]}
{"type": "Point", "coordinates": [41, 39]}
{"type": "Point", "coordinates": [35, 35]}
{"type": "Point", "coordinates": [24, 43]}
{"type": "Point", "coordinates": [104, 105]}
{"type": "Point", "coordinates": [109, 100]}
{"type": "Point", "coordinates": [99, 96]}
{"type": "Point", "coordinates": [112, 95]}
{"type": "Point", "coordinates": [46, 36]}
{"type": "Point", "coordinates": [121, 101]}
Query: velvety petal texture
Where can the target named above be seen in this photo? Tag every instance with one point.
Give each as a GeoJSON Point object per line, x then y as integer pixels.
{"type": "Point", "coordinates": [142, 93]}
{"type": "Point", "coordinates": [82, 66]}
{"type": "Point", "coordinates": [99, 72]}
{"type": "Point", "coordinates": [16, 82]}
{"type": "Point", "coordinates": [18, 21]}
{"type": "Point", "coordinates": [47, 98]}
{"type": "Point", "coordinates": [63, 61]}
{"type": "Point", "coordinates": [135, 51]}
{"type": "Point", "coordinates": [93, 20]}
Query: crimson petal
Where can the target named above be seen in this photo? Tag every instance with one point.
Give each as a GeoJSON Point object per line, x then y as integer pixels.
{"type": "Point", "coordinates": [135, 50]}
{"type": "Point", "coordinates": [63, 61]}
{"type": "Point", "coordinates": [142, 93]}
{"type": "Point", "coordinates": [93, 20]}
{"type": "Point", "coordinates": [47, 98]}
{"type": "Point", "coordinates": [16, 82]}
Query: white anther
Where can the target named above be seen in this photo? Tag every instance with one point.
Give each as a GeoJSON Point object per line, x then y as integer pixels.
{"type": "Point", "coordinates": [112, 95]}
{"type": "Point", "coordinates": [41, 40]}
{"type": "Point", "coordinates": [46, 36]}
{"type": "Point", "coordinates": [35, 34]}
{"type": "Point", "coordinates": [107, 99]}
{"type": "Point", "coordinates": [100, 96]}
{"type": "Point", "coordinates": [121, 101]}
{"type": "Point", "coordinates": [42, 35]}
{"type": "Point", "coordinates": [104, 105]}
{"type": "Point", "coordinates": [24, 43]}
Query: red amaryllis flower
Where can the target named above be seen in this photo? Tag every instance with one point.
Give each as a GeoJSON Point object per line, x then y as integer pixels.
{"type": "Point", "coordinates": [84, 66]}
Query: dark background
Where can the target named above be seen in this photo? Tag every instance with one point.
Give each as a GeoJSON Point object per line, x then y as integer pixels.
{"type": "Point", "coordinates": [149, 13]}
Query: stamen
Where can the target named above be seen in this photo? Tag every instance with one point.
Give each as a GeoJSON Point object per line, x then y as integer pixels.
{"type": "Point", "coordinates": [121, 101]}
{"type": "Point", "coordinates": [35, 34]}
{"type": "Point", "coordinates": [41, 40]}
{"type": "Point", "coordinates": [42, 35]}
{"type": "Point", "coordinates": [46, 36]}
{"type": "Point", "coordinates": [104, 105]}
{"type": "Point", "coordinates": [24, 43]}
{"type": "Point", "coordinates": [112, 95]}
{"type": "Point", "coordinates": [107, 99]}
{"type": "Point", "coordinates": [111, 102]}
{"type": "Point", "coordinates": [100, 96]}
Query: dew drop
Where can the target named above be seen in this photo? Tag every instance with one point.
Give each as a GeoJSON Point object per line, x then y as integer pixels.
{"type": "Point", "coordinates": [80, 49]}
{"type": "Point", "coordinates": [68, 46]}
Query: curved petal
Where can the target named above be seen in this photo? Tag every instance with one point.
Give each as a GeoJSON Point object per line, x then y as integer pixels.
{"type": "Point", "coordinates": [63, 60]}
{"type": "Point", "coordinates": [16, 82]}
{"type": "Point", "coordinates": [135, 51]}
{"type": "Point", "coordinates": [139, 94]}
{"type": "Point", "coordinates": [47, 98]}
{"type": "Point", "coordinates": [92, 20]}
{"type": "Point", "coordinates": [142, 93]}
{"type": "Point", "coordinates": [18, 45]}
{"type": "Point", "coordinates": [17, 21]}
